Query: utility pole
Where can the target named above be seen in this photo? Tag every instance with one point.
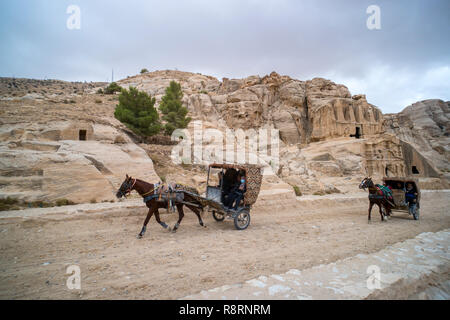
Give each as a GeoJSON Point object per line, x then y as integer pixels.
{"type": "Point", "coordinates": [112, 75]}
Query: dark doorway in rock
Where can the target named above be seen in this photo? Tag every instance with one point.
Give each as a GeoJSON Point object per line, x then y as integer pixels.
{"type": "Point", "coordinates": [357, 134]}
{"type": "Point", "coordinates": [414, 170]}
{"type": "Point", "coordinates": [82, 135]}
{"type": "Point", "coordinates": [386, 172]}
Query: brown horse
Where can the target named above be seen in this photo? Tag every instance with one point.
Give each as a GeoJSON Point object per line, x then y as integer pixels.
{"type": "Point", "coordinates": [377, 197]}
{"type": "Point", "coordinates": [145, 189]}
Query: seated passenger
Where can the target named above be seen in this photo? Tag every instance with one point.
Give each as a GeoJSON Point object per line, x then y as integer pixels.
{"type": "Point", "coordinates": [410, 195]}
{"type": "Point", "coordinates": [229, 181]}
{"type": "Point", "coordinates": [237, 194]}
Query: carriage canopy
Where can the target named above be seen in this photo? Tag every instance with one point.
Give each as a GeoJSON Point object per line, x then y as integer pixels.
{"type": "Point", "coordinates": [398, 184]}
{"type": "Point", "coordinates": [253, 177]}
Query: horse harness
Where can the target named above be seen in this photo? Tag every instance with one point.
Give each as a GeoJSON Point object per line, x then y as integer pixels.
{"type": "Point", "coordinates": [383, 193]}
{"type": "Point", "coordinates": [164, 193]}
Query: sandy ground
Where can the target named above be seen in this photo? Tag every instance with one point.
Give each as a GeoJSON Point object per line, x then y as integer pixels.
{"type": "Point", "coordinates": [411, 267]}
{"type": "Point", "coordinates": [35, 251]}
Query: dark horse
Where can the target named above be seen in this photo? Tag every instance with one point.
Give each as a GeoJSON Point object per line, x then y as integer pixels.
{"type": "Point", "coordinates": [145, 189]}
{"type": "Point", "coordinates": [376, 197]}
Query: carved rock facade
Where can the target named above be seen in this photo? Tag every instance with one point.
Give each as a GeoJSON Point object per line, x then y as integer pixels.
{"type": "Point", "coordinates": [303, 111]}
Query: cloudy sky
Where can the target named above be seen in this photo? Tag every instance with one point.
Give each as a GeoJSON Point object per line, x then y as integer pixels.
{"type": "Point", "coordinates": [407, 60]}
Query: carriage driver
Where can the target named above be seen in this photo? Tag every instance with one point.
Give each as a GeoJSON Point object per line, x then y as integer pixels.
{"type": "Point", "coordinates": [237, 194]}
{"type": "Point", "coordinates": [410, 196]}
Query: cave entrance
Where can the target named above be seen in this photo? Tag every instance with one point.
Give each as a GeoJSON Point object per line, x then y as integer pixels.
{"type": "Point", "coordinates": [414, 170]}
{"type": "Point", "coordinates": [357, 134]}
{"type": "Point", "coordinates": [82, 135]}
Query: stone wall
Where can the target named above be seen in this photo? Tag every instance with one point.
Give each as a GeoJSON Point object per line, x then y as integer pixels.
{"type": "Point", "coordinates": [343, 117]}
{"type": "Point", "coordinates": [425, 125]}
{"type": "Point", "coordinates": [416, 164]}
{"type": "Point", "coordinates": [389, 156]}
{"type": "Point", "coordinates": [72, 131]}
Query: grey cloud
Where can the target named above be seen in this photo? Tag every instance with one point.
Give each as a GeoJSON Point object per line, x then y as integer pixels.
{"type": "Point", "coordinates": [303, 39]}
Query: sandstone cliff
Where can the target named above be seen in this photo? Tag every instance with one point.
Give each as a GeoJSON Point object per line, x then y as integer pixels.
{"type": "Point", "coordinates": [328, 136]}
{"type": "Point", "coordinates": [303, 111]}
{"type": "Point", "coordinates": [60, 139]}
{"type": "Point", "coordinates": [64, 144]}
{"type": "Point", "coordinates": [426, 126]}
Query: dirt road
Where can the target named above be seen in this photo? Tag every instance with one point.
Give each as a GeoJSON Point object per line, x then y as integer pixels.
{"type": "Point", "coordinates": [36, 251]}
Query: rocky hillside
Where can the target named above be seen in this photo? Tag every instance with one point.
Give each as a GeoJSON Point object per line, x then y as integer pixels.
{"type": "Point", "coordinates": [328, 136]}
{"type": "Point", "coordinates": [303, 111]}
{"type": "Point", "coordinates": [43, 89]}
{"type": "Point", "coordinates": [426, 126]}
{"type": "Point", "coordinates": [60, 140]}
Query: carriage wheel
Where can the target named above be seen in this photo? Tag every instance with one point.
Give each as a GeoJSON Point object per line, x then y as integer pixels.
{"type": "Point", "coordinates": [416, 214]}
{"type": "Point", "coordinates": [218, 216]}
{"type": "Point", "coordinates": [242, 220]}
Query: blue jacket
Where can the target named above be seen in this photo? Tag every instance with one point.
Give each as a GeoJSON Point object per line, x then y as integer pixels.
{"type": "Point", "coordinates": [236, 188]}
{"type": "Point", "coordinates": [410, 195]}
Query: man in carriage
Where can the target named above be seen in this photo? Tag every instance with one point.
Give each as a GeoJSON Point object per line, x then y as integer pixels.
{"type": "Point", "coordinates": [411, 197]}
{"type": "Point", "coordinates": [237, 193]}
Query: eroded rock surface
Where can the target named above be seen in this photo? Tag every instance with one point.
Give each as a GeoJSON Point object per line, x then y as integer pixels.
{"type": "Point", "coordinates": [426, 126]}
{"type": "Point", "coordinates": [329, 137]}
{"type": "Point", "coordinates": [303, 111]}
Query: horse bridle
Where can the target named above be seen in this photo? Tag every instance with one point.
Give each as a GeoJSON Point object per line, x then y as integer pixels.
{"type": "Point", "coordinates": [364, 183]}
{"type": "Point", "coordinates": [129, 188]}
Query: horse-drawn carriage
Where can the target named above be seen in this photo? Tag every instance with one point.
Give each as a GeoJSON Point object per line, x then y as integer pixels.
{"type": "Point", "coordinates": [398, 186]}
{"type": "Point", "coordinates": [220, 178]}
{"type": "Point", "coordinates": [219, 187]}
{"type": "Point", "coordinates": [396, 193]}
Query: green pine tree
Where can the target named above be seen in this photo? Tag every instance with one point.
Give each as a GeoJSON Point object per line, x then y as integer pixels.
{"type": "Point", "coordinates": [174, 113]}
{"type": "Point", "coordinates": [136, 110]}
{"type": "Point", "coordinates": [112, 88]}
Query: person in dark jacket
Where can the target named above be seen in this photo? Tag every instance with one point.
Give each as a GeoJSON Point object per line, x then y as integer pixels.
{"type": "Point", "coordinates": [237, 194]}
{"type": "Point", "coordinates": [411, 197]}
{"type": "Point", "coordinates": [228, 184]}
